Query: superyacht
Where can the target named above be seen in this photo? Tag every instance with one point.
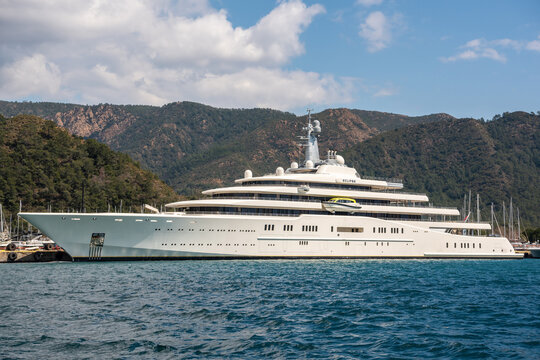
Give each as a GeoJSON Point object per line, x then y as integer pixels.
{"type": "Point", "coordinates": [320, 208]}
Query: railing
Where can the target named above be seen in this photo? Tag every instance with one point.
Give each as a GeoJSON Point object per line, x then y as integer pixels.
{"type": "Point", "coordinates": [353, 188]}
{"type": "Point", "coordinates": [191, 212]}
{"type": "Point", "coordinates": [390, 180]}
{"type": "Point", "coordinates": [319, 201]}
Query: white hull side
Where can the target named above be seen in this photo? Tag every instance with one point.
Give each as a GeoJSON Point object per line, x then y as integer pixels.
{"type": "Point", "coordinates": [162, 236]}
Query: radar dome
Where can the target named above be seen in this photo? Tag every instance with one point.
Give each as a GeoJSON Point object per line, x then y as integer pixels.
{"type": "Point", "coordinates": [248, 174]}
{"type": "Point", "coordinates": [309, 164]}
{"type": "Point", "coordinates": [340, 160]}
{"type": "Point", "coordinates": [280, 171]}
{"type": "Point", "coordinates": [294, 165]}
{"type": "Point", "coordinates": [316, 126]}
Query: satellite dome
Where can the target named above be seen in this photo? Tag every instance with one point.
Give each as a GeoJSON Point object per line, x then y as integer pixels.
{"type": "Point", "coordinates": [340, 160]}
{"type": "Point", "coordinates": [280, 171]}
{"type": "Point", "coordinates": [309, 164]}
{"type": "Point", "coordinates": [294, 165]}
{"type": "Point", "coordinates": [248, 174]}
{"type": "Point", "coordinates": [316, 126]}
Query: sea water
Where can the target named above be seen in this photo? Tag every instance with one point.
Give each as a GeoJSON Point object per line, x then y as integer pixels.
{"type": "Point", "coordinates": [340, 309]}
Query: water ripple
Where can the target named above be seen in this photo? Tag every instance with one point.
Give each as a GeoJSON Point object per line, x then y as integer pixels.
{"type": "Point", "coordinates": [279, 309]}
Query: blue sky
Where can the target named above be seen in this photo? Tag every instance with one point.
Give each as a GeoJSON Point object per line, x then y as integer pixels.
{"type": "Point", "coordinates": [465, 58]}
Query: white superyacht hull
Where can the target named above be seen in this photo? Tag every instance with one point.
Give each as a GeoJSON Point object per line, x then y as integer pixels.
{"type": "Point", "coordinates": [179, 236]}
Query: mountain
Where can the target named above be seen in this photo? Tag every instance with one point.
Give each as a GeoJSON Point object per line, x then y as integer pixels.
{"type": "Point", "coordinates": [43, 165]}
{"type": "Point", "coordinates": [498, 159]}
{"type": "Point", "coordinates": [193, 146]}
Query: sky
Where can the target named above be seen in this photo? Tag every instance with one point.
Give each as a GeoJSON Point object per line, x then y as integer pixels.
{"type": "Point", "coordinates": [465, 58]}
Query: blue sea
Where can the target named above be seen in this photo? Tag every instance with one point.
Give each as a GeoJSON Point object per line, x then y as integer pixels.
{"type": "Point", "coordinates": [312, 309]}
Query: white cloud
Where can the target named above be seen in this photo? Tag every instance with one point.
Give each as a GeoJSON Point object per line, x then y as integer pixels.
{"type": "Point", "coordinates": [482, 48]}
{"type": "Point", "coordinates": [265, 88]}
{"type": "Point", "coordinates": [377, 31]}
{"type": "Point", "coordinates": [369, 2]}
{"type": "Point", "coordinates": [31, 75]}
{"type": "Point", "coordinates": [153, 52]}
{"type": "Point", "coordinates": [533, 45]}
{"type": "Point", "coordinates": [385, 92]}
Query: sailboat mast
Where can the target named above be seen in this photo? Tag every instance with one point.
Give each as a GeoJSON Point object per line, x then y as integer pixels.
{"type": "Point", "coordinates": [511, 219]}
{"type": "Point", "coordinates": [464, 206]}
{"type": "Point", "coordinates": [477, 207]}
{"type": "Point", "coordinates": [504, 219]}
{"type": "Point", "coordinates": [519, 225]}
{"type": "Point", "coordinates": [492, 219]}
{"type": "Point", "coordinates": [469, 209]}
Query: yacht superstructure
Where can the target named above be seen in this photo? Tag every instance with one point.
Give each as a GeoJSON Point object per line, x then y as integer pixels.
{"type": "Point", "coordinates": [293, 213]}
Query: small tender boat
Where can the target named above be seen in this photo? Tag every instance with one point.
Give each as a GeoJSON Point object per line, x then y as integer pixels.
{"type": "Point", "coordinates": [341, 204]}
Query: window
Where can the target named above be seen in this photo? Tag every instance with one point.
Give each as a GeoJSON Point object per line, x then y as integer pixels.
{"type": "Point", "coordinates": [350, 229]}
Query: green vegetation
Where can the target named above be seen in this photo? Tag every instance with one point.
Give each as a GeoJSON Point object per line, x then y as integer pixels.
{"type": "Point", "coordinates": [497, 159]}
{"type": "Point", "coordinates": [533, 235]}
{"type": "Point", "coordinates": [43, 166]}
{"type": "Point", "coordinates": [193, 147]}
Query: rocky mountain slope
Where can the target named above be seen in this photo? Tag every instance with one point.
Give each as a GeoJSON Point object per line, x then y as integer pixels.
{"type": "Point", "coordinates": [180, 141]}
{"type": "Point", "coordinates": [193, 147]}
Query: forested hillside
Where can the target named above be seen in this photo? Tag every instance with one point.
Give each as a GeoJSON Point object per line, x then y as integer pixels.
{"type": "Point", "coordinates": [498, 159]}
{"type": "Point", "coordinates": [192, 146]}
{"type": "Point", "coordinates": [44, 166]}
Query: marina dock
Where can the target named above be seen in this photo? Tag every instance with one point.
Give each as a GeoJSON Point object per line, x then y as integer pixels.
{"type": "Point", "coordinates": [40, 255]}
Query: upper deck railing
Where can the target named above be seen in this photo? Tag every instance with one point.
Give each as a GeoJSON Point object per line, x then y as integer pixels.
{"type": "Point", "coordinates": [388, 180]}
{"type": "Point", "coordinates": [411, 205]}
{"type": "Point", "coordinates": [337, 186]}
